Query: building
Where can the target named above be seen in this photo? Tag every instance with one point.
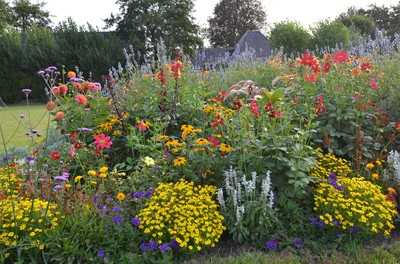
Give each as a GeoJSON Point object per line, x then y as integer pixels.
{"type": "Point", "coordinates": [253, 44]}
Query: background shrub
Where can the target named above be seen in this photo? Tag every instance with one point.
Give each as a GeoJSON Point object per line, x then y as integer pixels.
{"type": "Point", "coordinates": [331, 33]}
{"type": "Point", "coordinates": [290, 35]}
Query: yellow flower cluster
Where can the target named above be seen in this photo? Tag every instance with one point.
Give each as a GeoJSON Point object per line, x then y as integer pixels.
{"type": "Point", "coordinates": [22, 218]}
{"type": "Point", "coordinates": [225, 149]}
{"type": "Point", "coordinates": [9, 182]}
{"type": "Point", "coordinates": [102, 173]}
{"type": "Point", "coordinates": [180, 161]}
{"type": "Point", "coordinates": [329, 163]}
{"type": "Point", "coordinates": [111, 125]}
{"type": "Point", "coordinates": [184, 212]}
{"type": "Point", "coordinates": [188, 130]}
{"type": "Point", "coordinates": [174, 145]}
{"type": "Point", "coordinates": [219, 110]}
{"type": "Point", "coordinates": [360, 204]}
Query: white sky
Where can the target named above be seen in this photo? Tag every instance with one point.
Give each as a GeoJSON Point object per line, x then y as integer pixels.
{"type": "Point", "coordinates": [306, 12]}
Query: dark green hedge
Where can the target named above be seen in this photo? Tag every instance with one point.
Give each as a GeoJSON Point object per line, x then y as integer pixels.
{"type": "Point", "coordinates": [23, 54]}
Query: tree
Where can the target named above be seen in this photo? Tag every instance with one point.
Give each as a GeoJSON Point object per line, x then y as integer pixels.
{"type": "Point", "coordinates": [361, 23]}
{"type": "Point", "coordinates": [26, 14]}
{"type": "Point", "coordinates": [291, 36]}
{"type": "Point", "coordinates": [232, 18]}
{"type": "Point", "coordinates": [144, 23]}
{"type": "Point", "coordinates": [328, 34]}
{"type": "Point", "coordinates": [5, 15]}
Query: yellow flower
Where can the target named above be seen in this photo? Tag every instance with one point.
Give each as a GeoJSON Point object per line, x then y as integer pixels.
{"type": "Point", "coordinates": [202, 141]}
{"type": "Point", "coordinates": [180, 161]}
{"type": "Point", "coordinates": [375, 176]}
{"type": "Point", "coordinates": [103, 169]}
{"type": "Point", "coordinates": [225, 149]}
{"type": "Point", "coordinates": [370, 166]}
{"type": "Point", "coordinates": [392, 191]}
{"type": "Point", "coordinates": [378, 163]}
{"type": "Point", "coordinates": [149, 161]}
{"type": "Point", "coordinates": [120, 196]}
{"type": "Point", "coordinates": [92, 173]}
{"type": "Point", "coordinates": [78, 178]}
{"type": "Point", "coordinates": [188, 130]}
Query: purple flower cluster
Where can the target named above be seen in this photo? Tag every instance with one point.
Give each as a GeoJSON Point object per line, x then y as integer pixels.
{"type": "Point", "coordinates": [60, 180]}
{"type": "Point", "coordinates": [332, 180]}
{"type": "Point", "coordinates": [154, 246]}
{"type": "Point", "coordinates": [317, 222]}
{"type": "Point", "coordinates": [142, 195]}
{"type": "Point", "coordinates": [117, 219]}
{"type": "Point", "coordinates": [298, 243]}
{"type": "Point", "coordinates": [135, 221]}
{"type": "Point", "coordinates": [272, 245]}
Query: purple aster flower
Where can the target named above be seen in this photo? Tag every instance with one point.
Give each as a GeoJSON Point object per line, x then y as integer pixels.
{"type": "Point", "coordinates": [116, 209]}
{"type": "Point", "coordinates": [272, 244]}
{"type": "Point", "coordinates": [51, 69]}
{"type": "Point", "coordinates": [149, 246]}
{"type": "Point", "coordinates": [135, 221]}
{"type": "Point", "coordinates": [148, 194]}
{"type": "Point", "coordinates": [117, 219]}
{"type": "Point", "coordinates": [101, 253]}
{"type": "Point", "coordinates": [298, 243]}
{"type": "Point", "coordinates": [30, 160]}
{"type": "Point", "coordinates": [138, 195]}
{"type": "Point", "coordinates": [63, 177]}
{"type": "Point", "coordinates": [317, 222]}
{"type": "Point", "coordinates": [164, 247]}
{"type": "Point", "coordinates": [332, 180]}
{"type": "Point", "coordinates": [41, 73]}
{"type": "Point", "coordinates": [76, 79]}
{"type": "Point", "coordinates": [173, 244]}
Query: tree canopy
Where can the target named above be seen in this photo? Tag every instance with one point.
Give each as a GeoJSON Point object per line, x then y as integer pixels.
{"type": "Point", "coordinates": [232, 18]}
{"type": "Point", "coordinates": [145, 22]}
{"type": "Point", "coordinates": [25, 14]}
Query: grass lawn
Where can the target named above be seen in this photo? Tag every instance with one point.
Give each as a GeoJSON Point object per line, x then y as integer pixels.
{"type": "Point", "coordinates": [383, 254]}
{"type": "Point", "coordinates": [15, 128]}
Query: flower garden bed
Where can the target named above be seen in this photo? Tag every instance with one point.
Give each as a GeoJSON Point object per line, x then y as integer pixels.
{"type": "Point", "coordinates": [160, 168]}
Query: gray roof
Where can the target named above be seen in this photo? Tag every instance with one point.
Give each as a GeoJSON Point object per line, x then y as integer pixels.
{"type": "Point", "coordinates": [253, 41]}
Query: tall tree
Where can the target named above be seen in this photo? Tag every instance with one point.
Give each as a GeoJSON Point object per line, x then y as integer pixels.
{"type": "Point", "coordinates": [5, 15]}
{"type": "Point", "coordinates": [232, 18]}
{"type": "Point", "coordinates": [26, 14]}
{"type": "Point", "coordinates": [144, 23]}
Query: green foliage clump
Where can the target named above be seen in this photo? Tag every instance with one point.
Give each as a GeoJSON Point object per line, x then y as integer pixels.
{"type": "Point", "coordinates": [330, 34]}
{"type": "Point", "coordinates": [291, 36]}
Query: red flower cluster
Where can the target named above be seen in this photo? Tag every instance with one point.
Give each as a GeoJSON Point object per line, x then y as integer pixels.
{"type": "Point", "coordinates": [161, 77]}
{"type": "Point", "coordinates": [55, 155]}
{"type": "Point", "coordinates": [272, 113]}
{"type": "Point", "coordinates": [312, 62]}
{"type": "Point", "coordinates": [176, 69]}
{"type": "Point", "coordinates": [214, 141]}
{"type": "Point", "coordinates": [102, 142]}
{"type": "Point", "coordinates": [81, 99]}
{"type": "Point", "coordinates": [374, 84]}
{"type": "Point", "coordinates": [340, 57]}
{"type": "Point", "coordinates": [218, 121]}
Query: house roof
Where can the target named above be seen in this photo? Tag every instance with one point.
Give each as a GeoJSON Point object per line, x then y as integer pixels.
{"type": "Point", "coordinates": [253, 41]}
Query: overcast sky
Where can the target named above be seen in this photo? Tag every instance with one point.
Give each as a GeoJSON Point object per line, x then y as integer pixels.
{"type": "Point", "coordinates": [307, 12]}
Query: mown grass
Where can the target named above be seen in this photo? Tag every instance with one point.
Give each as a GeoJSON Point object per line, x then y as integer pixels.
{"type": "Point", "coordinates": [15, 127]}
{"type": "Point", "coordinates": [382, 254]}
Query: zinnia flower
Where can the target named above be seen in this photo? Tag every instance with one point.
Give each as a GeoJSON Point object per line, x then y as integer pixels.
{"type": "Point", "coordinates": [55, 155]}
{"type": "Point", "coordinates": [71, 74]}
{"type": "Point", "coordinates": [143, 126]}
{"type": "Point", "coordinates": [59, 116]}
{"type": "Point", "coordinates": [373, 84]}
{"type": "Point", "coordinates": [102, 141]}
{"type": "Point", "coordinates": [81, 99]}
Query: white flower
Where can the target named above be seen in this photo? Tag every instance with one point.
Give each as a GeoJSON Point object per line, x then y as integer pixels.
{"type": "Point", "coordinates": [149, 161]}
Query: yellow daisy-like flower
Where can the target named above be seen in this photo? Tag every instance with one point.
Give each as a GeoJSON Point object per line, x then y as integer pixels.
{"type": "Point", "coordinates": [120, 196]}
{"type": "Point", "coordinates": [375, 176]}
{"type": "Point", "coordinates": [378, 163]}
{"type": "Point", "coordinates": [92, 173]}
{"type": "Point", "coordinates": [103, 169]}
{"type": "Point", "coordinates": [78, 178]}
{"type": "Point", "coordinates": [370, 166]}
{"type": "Point", "coordinates": [188, 130]}
{"type": "Point", "coordinates": [225, 149]}
{"type": "Point", "coordinates": [180, 161]}
{"type": "Point", "coordinates": [202, 141]}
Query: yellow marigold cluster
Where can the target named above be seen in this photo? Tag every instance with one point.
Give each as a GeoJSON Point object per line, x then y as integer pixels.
{"type": "Point", "coordinates": [357, 203]}
{"type": "Point", "coordinates": [329, 163]}
{"type": "Point", "coordinates": [218, 110]}
{"type": "Point", "coordinates": [9, 182]}
{"type": "Point", "coordinates": [188, 130]}
{"type": "Point", "coordinates": [184, 212]}
{"type": "Point", "coordinates": [26, 218]}
{"type": "Point", "coordinates": [110, 124]}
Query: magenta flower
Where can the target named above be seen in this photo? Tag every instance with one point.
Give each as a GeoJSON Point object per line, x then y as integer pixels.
{"type": "Point", "coordinates": [102, 141]}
